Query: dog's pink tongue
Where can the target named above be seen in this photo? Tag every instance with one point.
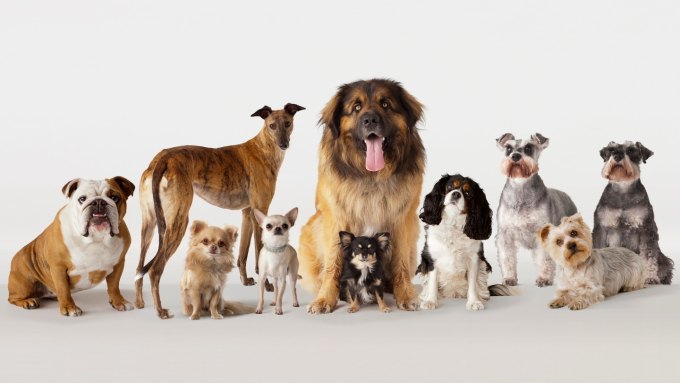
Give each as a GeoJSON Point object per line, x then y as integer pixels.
{"type": "Point", "coordinates": [375, 160]}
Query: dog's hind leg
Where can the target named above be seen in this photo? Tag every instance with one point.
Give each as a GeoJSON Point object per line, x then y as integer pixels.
{"type": "Point", "coordinates": [148, 228]}
{"type": "Point", "coordinates": [292, 276]}
{"type": "Point", "coordinates": [246, 235]}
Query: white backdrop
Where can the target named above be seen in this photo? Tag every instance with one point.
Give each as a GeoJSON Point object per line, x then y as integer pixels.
{"type": "Point", "coordinates": [95, 89]}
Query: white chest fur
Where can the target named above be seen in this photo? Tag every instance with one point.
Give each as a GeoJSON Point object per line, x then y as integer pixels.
{"type": "Point", "coordinates": [450, 249]}
{"type": "Point", "coordinates": [97, 253]}
{"type": "Point", "coordinates": [633, 217]}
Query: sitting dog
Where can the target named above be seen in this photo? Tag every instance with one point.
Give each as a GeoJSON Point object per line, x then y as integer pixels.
{"type": "Point", "coordinates": [85, 244]}
{"type": "Point", "coordinates": [585, 275]}
{"type": "Point", "coordinates": [624, 216]}
{"type": "Point", "coordinates": [278, 259]}
{"type": "Point", "coordinates": [526, 205]}
{"type": "Point", "coordinates": [209, 259]}
{"type": "Point", "coordinates": [231, 177]}
{"type": "Point", "coordinates": [458, 218]}
{"type": "Point", "coordinates": [362, 279]}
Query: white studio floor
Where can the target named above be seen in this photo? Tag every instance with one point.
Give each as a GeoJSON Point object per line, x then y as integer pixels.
{"type": "Point", "coordinates": [632, 337]}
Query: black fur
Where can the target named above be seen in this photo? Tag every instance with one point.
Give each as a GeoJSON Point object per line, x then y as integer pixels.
{"type": "Point", "coordinates": [350, 279]}
{"type": "Point", "coordinates": [426, 261]}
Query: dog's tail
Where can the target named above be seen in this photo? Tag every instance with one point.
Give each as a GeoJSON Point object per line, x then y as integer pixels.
{"type": "Point", "coordinates": [236, 308]}
{"type": "Point", "coordinates": [503, 291]}
{"type": "Point", "coordinates": [156, 178]}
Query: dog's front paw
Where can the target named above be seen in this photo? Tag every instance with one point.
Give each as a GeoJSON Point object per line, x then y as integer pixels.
{"type": "Point", "coordinates": [247, 281]}
{"type": "Point", "coordinates": [296, 304]}
{"type": "Point", "coordinates": [429, 305]}
{"type": "Point", "coordinates": [164, 313]}
{"type": "Point", "coordinates": [195, 317]}
{"type": "Point", "coordinates": [71, 310]}
{"type": "Point", "coordinates": [543, 282]}
{"type": "Point", "coordinates": [474, 305]}
{"type": "Point", "coordinates": [268, 286]}
{"type": "Point", "coordinates": [278, 311]}
{"type": "Point", "coordinates": [217, 316]}
{"type": "Point", "coordinates": [510, 281]}
{"type": "Point", "coordinates": [28, 304]}
{"type": "Point", "coordinates": [557, 303]}
{"type": "Point", "coordinates": [407, 305]}
{"type": "Point", "coordinates": [652, 281]}
{"type": "Point", "coordinates": [139, 303]}
{"type": "Point", "coordinates": [385, 309]}
{"type": "Point", "coordinates": [578, 304]}
{"type": "Point", "coordinates": [258, 310]}
{"type": "Point", "coordinates": [122, 305]}
{"type": "Point", "coordinates": [321, 306]}
{"type": "Point", "coordinates": [353, 309]}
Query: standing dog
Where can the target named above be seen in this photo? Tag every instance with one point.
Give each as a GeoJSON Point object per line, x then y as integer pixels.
{"type": "Point", "coordinates": [585, 275]}
{"type": "Point", "coordinates": [209, 260]}
{"type": "Point", "coordinates": [231, 177]}
{"type": "Point", "coordinates": [363, 270]}
{"type": "Point", "coordinates": [85, 244]}
{"type": "Point", "coordinates": [278, 259]}
{"type": "Point", "coordinates": [526, 205]}
{"type": "Point", "coordinates": [371, 164]}
{"type": "Point", "coordinates": [624, 216]}
{"type": "Point", "coordinates": [458, 219]}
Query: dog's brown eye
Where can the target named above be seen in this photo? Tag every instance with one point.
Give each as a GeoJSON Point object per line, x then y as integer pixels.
{"type": "Point", "coordinates": [82, 199]}
{"type": "Point", "coordinates": [573, 233]}
{"type": "Point", "coordinates": [285, 226]}
{"type": "Point", "coordinates": [369, 246]}
{"type": "Point", "coordinates": [559, 242]}
{"type": "Point", "coordinates": [287, 124]}
{"type": "Point", "coordinates": [357, 106]}
{"type": "Point", "coordinates": [384, 105]}
{"type": "Point", "coordinates": [269, 226]}
{"type": "Point", "coordinates": [508, 150]}
{"type": "Point", "coordinates": [359, 246]}
{"type": "Point", "coordinates": [271, 126]}
{"type": "Point", "coordinates": [220, 243]}
{"type": "Point", "coordinates": [205, 241]}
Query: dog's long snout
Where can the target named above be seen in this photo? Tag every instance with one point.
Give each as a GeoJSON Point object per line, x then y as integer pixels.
{"type": "Point", "coordinates": [370, 121]}
{"type": "Point", "coordinates": [516, 157]}
{"type": "Point", "coordinates": [571, 246]}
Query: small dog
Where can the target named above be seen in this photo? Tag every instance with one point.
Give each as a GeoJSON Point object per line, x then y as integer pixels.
{"type": "Point", "coordinates": [238, 177]}
{"type": "Point", "coordinates": [624, 216]}
{"type": "Point", "coordinates": [278, 259]}
{"type": "Point", "coordinates": [585, 275]}
{"type": "Point", "coordinates": [363, 279]}
{"type": "Point", "coordinates": [526, 205]}
{"type": "Point", "coordinates": [457, 217]}
{"type": "Point", "coordinates": [209, 259]}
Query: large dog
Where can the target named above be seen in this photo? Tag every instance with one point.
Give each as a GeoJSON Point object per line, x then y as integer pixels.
{"type": "Point", "coordinates": [371, 164]}
{"type": "Point", "coordinates": [232, 177]}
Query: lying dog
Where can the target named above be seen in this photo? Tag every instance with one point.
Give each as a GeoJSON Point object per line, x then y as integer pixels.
{"type": "Point", "coordinates": [231, 177]}
{"type": "Point", "coordinates": [85, 244]}
{"type": "Point", "coordinates": [585, 275]}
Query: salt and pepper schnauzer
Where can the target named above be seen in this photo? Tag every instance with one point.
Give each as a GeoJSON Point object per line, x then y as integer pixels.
{"type": "Point", "coordinates": [624, 216]}
{"type": "Point", "coordinates": [526, 205]}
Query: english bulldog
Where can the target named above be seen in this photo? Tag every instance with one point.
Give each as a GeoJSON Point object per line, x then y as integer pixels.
{"type": "Point", "coordinates": [85, 244]}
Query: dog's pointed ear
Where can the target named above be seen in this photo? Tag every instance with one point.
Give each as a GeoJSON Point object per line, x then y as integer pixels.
{"type": "Point", "coordinates": [346, 239]}
{"type": "Point", "coordinates": [413, 109]}
{"type": "Point", "coordinates": [576, 218]}
{"type": "Point", "coordinates": [478, 220]}
{"type": "Point", "coordinates": [263, 112]}
{"type": "Point", "coordinates": [70, 187]}
{"type": "Point", "coordinates": [292, 216]}
{"type": "Point", "coordinates": [383, 240]}
{"type": "Point", "coordinates": [434, 202]}
{"type": "Point", "coordinates": [545, 232]}
{"type": "Point", "coordinates": [540, 140]}
{"type": "Point", "coordinates": [644, 152]}
{"type": "Point", "coordinates": [292, 108]}
{"type": "Point", "coordinates": [332, 112]}
{"type": "Point", "coordinates": [125, 185]}
{"type": "Point", "coordinates": [196, 227]}
{"type": "Point", "coordinates": [232, 232]}
{"type": "Point", "coordinates": [502, 140]}
{"type": "Point", "coordinates": [259, 216]}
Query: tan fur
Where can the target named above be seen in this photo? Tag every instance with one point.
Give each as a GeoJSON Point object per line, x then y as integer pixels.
{"type": "Point", "coordinates": [41, 268]}
{"type": "Point", "coordinates": [239, 177]}
{"type": "Point", "coordinates": [205, 274]}
{"type": "Point", "coordinates": [364, 203]}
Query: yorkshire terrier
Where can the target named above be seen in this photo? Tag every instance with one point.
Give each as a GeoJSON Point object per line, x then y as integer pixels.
{"type": "Point", "coordinates": [585, 275]}
{"type": "Point", "coordinates": [278, 259]}
{"type": "Point", "coordinates": [209, 259]}
{"type": "Point", "coordinates": [363, 278]}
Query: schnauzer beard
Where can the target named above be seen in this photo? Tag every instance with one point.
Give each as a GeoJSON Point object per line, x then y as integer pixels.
{"type": "Point", "coordinates": [622, 171]}
{"type": "Point", "coordinates": [524, 168]}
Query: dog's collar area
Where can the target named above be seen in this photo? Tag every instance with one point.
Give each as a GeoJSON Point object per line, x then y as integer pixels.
{"type": "Point", "coordinates": [279, 249]}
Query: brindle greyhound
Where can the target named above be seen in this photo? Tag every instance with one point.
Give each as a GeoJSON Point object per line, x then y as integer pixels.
{"type": "Point", "coordinates": [231, 177]}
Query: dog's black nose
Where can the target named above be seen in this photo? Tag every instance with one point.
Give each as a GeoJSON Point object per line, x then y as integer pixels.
{"type": "Point", "coordinates": [370, 120]}
{"type": "Point", "coordinates": [516, 157]}
{"type": "Point", "coordinates": [455, 195]}
{"type": "Point", "coordinates": [278, 230]}
{"type": "Point", "coordinates": [283, 145]}
{"type": "Point", "coordinates": [213, 249]}
{"type": "Point", "coordinates": [99, 205]}
{"type": "Point", "coordinates": [571, 246]}
{"type": "Point", "coordinates": [618, 157]}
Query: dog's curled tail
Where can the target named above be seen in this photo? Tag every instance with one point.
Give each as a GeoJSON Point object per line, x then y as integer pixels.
{"type": "Point", "coordinates": [156, 178]}
{"type": "Point", "coordinates": [236, 308]}
{"type": "Point", "coordinates": [503, 291]}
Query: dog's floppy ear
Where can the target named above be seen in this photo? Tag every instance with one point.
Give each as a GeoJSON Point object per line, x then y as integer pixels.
{"type": "Point", "coordinates": [232, 232]}
{"type": "Point", "coordinates": [70, 187]}
{"type": "Point", "coordinates": [540, 140]}
{"type": "Point", "coordinates": [605, 153]}
{"type": "Point", "coordinates": [434, 202]}
{"type": "Point", "coordinates": [125, 185]}
{"type": "Point", "coordinates": [644, 152]}
{"type": "Point", "coordinates": [502, 140]}
{"type": "Point", "coordinates": [332, 112]}
{"type": "Point", "coordinates": [292, 216]}
{"type": "Point", "coordinates": [263, 112]}
{"type": "Point", "coordinates": [413, 109]}
{"type": "Point", "coordinates": [259, 216]}
{"type": "Point", "coordinates": [292, 108]}
{"type": "Point", "coordinates": [545, 232]}
{"type": "Point", "coordinates": [346, 239]}
{"type": "Point", "coordinates": [478, 220]}
{"type": "Point", "coordinates": [196, 227]}
{"type": "Point", "coordinates": [383, 240]}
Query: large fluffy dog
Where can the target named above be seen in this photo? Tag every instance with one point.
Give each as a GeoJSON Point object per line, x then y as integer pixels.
{"type": "Point", "coordinates": [371, 164]}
